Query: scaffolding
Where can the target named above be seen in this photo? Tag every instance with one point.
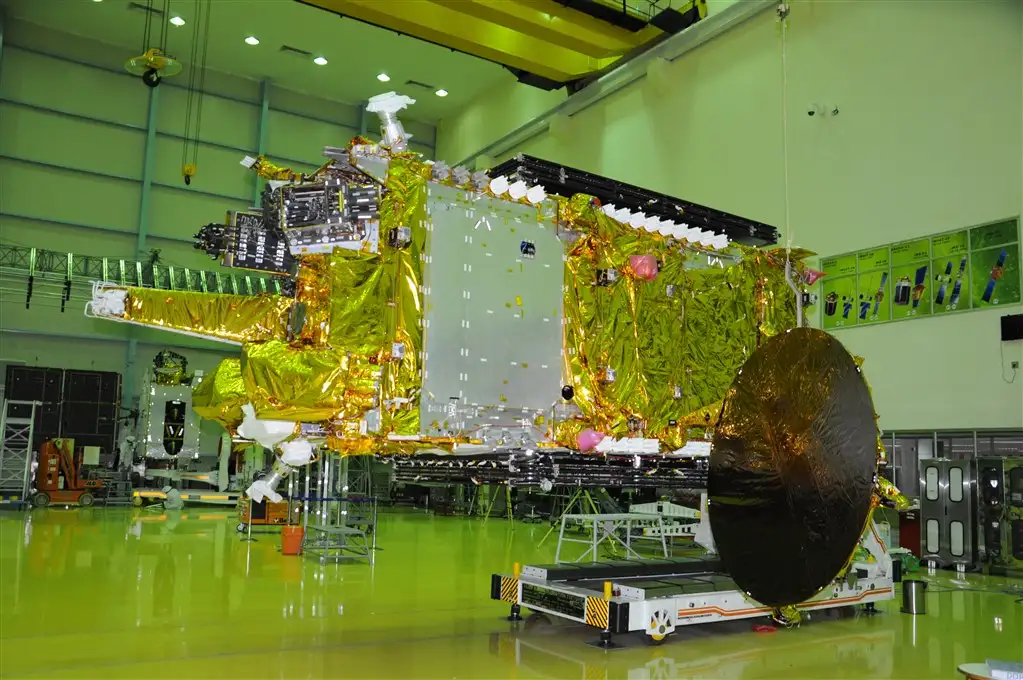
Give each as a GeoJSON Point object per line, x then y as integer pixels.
{"type": "Point", "coordinates": [338, 524]}
{"type": "Point", "coordinates": [17, 429]}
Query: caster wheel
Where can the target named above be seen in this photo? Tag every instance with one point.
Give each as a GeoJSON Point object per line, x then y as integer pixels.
{"type": "Point", "coordinates": [137, 501]}
{"type": "Point", "coordinates": [240, 528]}
{"type": "Point", "coordinates": [40, 500]}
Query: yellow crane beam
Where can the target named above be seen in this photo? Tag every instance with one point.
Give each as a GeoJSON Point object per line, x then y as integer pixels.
{"type": "Point", "coordinates": [540, 37]}
{"type": "Point", "coordinates": [556, 24]}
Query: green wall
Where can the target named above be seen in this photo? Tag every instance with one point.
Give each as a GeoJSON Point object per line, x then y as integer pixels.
{"type": "Point", "coordinates": [929, 138]}
{"type": "Point", "coordinates": [73, 140]}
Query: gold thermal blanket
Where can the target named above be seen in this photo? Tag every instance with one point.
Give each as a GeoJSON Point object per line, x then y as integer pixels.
{"type": "Point", "coordinates": [221, 394]}
{"type": "Point", "coordinates": [236, 318]}
{"type": "Point", "coordinates": [654, 356]}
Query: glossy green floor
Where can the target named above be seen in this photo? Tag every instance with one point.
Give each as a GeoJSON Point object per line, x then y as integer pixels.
{"type": "Point", "coordinates": [123, 594]}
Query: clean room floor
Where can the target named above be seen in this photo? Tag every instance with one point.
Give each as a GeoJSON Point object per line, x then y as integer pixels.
{"type": "Point", "coordinates": [141, 594]}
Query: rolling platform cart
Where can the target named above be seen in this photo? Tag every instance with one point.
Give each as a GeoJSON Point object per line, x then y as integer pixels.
{"type": "Point", "coordinates": [656, 596]}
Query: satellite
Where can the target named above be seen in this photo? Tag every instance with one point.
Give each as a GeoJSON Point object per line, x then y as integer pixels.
{"type": "Point", "coordinates": [541, 327]}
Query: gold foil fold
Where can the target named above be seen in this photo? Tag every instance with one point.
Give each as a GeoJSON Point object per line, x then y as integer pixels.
{"type": "Point", "coordinates": [359, 303]}
{"type": "Point", "coordinates": [307, 384]}
{"type": "Point", "coordinates": [221, 394]}
{"type": "Point", "coordinates": [235, 318]}
{"type": "Point", "coordinates": [269, 170]}
{"type": "Point", "coordinates": [890, 493]}
{"type": "Point", "coordinates": [312, 299]}
{"type": "Point", "coordinates": [404, 205]}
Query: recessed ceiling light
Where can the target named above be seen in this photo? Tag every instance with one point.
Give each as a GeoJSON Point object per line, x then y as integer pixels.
{"type": "Point", "coordinates": [252, 40]}
{"type": "Point", "coordinates": [383, 77]}
{"type": "Point", "coordinates": [441, 93]}
{"type": "Point", "coordinates": [177, 21]}
{"type": "Point", "coordinates": [320, 61]}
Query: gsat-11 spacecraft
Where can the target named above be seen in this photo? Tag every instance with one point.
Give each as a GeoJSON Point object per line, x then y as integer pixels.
{"type": "Point", "coordinates": [536, 325]}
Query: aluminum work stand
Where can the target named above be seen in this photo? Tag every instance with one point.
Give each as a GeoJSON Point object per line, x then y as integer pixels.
{"type": "Point", "coordinates": [17, 429]}
{"type": "Point", "coordinates": [332, 531]}
{"type": "Point", "coordinates": [604, 529]}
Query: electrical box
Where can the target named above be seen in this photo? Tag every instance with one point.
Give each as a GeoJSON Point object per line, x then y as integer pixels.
{"type": "Point", "coordinates": [947, 534]}
{"type": "Point", "coordinates": [1000, 512]}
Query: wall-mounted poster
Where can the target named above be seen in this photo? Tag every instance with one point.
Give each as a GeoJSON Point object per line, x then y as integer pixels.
{"type": "Point", "coordinates": [911, 264]}
{"type": "Point", "coordinates": [994, 265]}
{"type": "Point", "coordinates": [838, 296]}
{"type": "Point", "coordinates": [843, 265]}
{"type": "Point", "coordinates": [950, 255]}
{"type": "Point", "coordinates": [966, 269]}
{"type": "Point", "coordinates": [873, 300]}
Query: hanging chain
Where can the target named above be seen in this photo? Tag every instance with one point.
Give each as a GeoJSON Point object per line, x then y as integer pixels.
{"type": "Point", "coordinates": [202, 82]}
{"type": "Point", "coordinates": [148, 27]}
{"type": "Point", "coordinates": [163, 26]}
{"type": "Point", "coordinates": [190, 93]}
{"type": "Point", "coordinates": [196, 88]}
{"type": "Point", "coordinates": [783, 16]}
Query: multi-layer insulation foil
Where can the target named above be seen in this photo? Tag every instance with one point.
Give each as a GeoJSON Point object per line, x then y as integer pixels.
{"type": "Point", "coordinates": [650, 355]}
{"type": "Point", "coordinates": [475, 317]}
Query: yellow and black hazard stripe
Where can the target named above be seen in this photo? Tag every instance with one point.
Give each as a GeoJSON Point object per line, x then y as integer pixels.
{"type": "Point", "coordinates": [597, 612]}
{"type": "Point", "coordinates": [504, 588]}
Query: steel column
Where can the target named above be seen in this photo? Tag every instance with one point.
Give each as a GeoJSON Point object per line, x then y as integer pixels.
{"type": "Point", "coordinates": [264, 123]}
{"type": "Point", "coordinates": [128, 395]}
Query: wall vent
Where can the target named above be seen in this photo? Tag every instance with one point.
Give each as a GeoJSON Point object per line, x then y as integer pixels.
{"type": "Point", "coordinates": [288, 49]}
{"type": "Point", "coordinates": [416, 83]}
{"type": "Point", "coordinates": [137, 7]}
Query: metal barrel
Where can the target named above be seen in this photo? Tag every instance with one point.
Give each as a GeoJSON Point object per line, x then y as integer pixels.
{"type": "Point", "coordinates": [913, 596]}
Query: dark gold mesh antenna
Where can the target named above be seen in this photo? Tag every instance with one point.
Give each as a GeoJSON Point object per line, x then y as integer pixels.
{"type": "Point", "coordinates": [792, 467]}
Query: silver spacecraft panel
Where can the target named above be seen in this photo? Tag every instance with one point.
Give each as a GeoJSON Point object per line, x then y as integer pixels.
{"type": "Point", "coordinates": [493, 278]}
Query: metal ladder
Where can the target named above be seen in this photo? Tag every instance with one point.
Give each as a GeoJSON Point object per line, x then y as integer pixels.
{"type": "Point", "coordinates": [17, 432]}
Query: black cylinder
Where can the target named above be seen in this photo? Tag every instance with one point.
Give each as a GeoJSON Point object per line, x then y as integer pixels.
{"type": "Point", "coordinates": [830, 304]}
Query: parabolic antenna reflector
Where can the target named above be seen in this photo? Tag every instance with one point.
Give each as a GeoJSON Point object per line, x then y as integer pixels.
{"type": "Point", "coordinates": [792, 467]}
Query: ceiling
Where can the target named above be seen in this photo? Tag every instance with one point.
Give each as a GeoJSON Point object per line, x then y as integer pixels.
{"type": "Point", "coordinates": [356, 51]}
{"type": "Point", "coordinates": [546, 43]}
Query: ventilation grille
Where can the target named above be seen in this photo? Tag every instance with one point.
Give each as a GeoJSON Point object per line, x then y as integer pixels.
{"type": "Point", "coordinates": [136, 7]}
{"type": "Point", "coordinates": [416, 83]}
{"type": "Point", "coordinates": [288, 49]}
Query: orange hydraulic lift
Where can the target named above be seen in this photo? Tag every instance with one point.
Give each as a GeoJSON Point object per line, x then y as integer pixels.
{"type": "Point", "coordinates": [58, 477]}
